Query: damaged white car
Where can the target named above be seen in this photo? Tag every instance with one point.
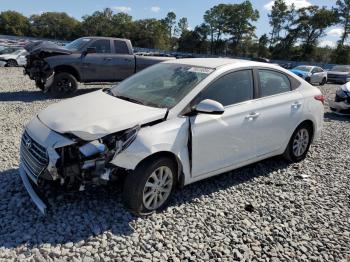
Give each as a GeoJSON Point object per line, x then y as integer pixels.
{"type": "Point", "coordinates": [170, 125]}
{"type": "Point", "coordinates": [341, 103]}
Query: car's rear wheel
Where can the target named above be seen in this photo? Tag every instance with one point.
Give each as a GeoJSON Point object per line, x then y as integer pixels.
{"type": "Point", "coordinates": [323, 82]}
{"type": "Point", "coordinates": [299, 143]}
{"type": "Point", "coordinates": [11, 63]}
{"type": "Point", "coordinates": [149, 187]}
{"type": "Point", "coordinates": [64, 84]}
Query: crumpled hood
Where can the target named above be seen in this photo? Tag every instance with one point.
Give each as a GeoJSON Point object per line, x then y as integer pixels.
{"type": "Point", "coordinates": [46, 46]}
{"type": "Point", "coordinates": [96, 115]}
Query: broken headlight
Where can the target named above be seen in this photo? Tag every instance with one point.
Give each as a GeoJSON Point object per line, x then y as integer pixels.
{"type": "Point", "coordinates": [124, 140]}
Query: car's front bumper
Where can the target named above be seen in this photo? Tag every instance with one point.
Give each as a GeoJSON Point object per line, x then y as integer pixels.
{"type": "Point", "coordinates": [31, 191]}
{"type": "Point", "coordinates": [340, 107]}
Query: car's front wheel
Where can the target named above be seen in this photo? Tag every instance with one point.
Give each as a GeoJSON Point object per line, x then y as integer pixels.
{"type": "Point", "coordinates": [11, 63]}
{"type": "Point", "coordinates": [149, 187]}
{"type": "Point", "coordinates": [299, 143]}
{"type": "Point", "coordinates": [323, 82]}
{"type": "Point", "coordinates": [64, 84]}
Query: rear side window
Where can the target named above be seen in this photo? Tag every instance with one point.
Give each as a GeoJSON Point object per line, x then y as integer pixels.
{"type": "Point", "coordinates": [120, 47]}
{"type": "Point", "coordinates": [272, 83]}
{"type": "Point", "coordinates": [102, 46]}
{"type": "Point", "coordinates": [232, 88]}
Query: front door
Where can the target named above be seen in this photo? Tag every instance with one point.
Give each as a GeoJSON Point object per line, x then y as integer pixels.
{"type": "Point", "coordinates": [220, 141]}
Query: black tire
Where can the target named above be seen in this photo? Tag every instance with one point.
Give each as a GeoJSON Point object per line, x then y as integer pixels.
{"type": "Point", "coordinates": [11, 63]}
{"type": "Point", "coordinates": [135, 185]}
{"type": "Point", "coordinates": [64, 84]}
{"type": "Point", "coordinates": [290, 154]}
{"type": "Point", "coordinates": [323, 82]}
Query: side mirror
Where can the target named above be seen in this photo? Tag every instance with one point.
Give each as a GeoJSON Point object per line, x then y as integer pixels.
{"type": "Point", "coordinates": [209, 106]}
{"type": "Point", "coordinates": [89, 50]}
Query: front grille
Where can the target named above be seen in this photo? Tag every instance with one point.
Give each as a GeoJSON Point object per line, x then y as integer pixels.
{"type": "Point", "coordinates": [33, 155]}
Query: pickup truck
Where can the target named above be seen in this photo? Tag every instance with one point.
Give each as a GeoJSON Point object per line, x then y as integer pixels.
{"type": "Point", "coordinates": [86, 60]}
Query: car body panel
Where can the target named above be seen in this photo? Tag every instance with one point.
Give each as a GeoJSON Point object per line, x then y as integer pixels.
{"type": "Point", "coordinates": [97, 115]}
{"type": "Point", "coordinates": [20, 58]}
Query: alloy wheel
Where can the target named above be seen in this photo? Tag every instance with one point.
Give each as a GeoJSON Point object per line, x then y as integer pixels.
{"type": "Point", "coordinates": [158, 188]}
{"type": "Point", "coordinates": [301, 142]}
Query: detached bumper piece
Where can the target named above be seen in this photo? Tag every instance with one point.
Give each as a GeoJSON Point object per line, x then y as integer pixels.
{"type": "Point", "coordinates": [33, 195]}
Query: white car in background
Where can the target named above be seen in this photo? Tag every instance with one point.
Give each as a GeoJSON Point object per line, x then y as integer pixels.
{"type": "Point", "coordinates": [17, 58]}
{"type": "Point", "coordinates": [311, 74]}
{"type": "Point", "coordinates": [174, 123]}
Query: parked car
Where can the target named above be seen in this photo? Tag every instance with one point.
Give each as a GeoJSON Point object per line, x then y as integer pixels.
{"type": "Point", "coordinates": [8, 50]}
{"type": "Point", "coordinates": [172, 124]}
{"type": "Point", "coordinates": [17, 58]}
{"type": "Point", "coordinates": [339, 74]}
{"type": "Point", "coordinates": [312, 74]}
{"type": "Point", "coordinates": [85, 60]}
{"type": "Point", "coordinates": [341, 102]}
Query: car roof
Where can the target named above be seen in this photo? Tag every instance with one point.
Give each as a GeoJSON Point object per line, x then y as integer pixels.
{"type": "Point", "coordinates": [215, 62]}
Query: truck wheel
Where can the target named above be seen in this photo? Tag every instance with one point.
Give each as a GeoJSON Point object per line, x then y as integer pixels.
{"type": "Point", "coordinates": [299, 143]}
{"type": "Point", "coordinates": [11, 63]}
{"type": "Point", "coordinates": [323, 82]}
{"type": "Point", "coordinates": [39, 85]}
{"type": "Point", "coordinates": [64, 83]}
{"type": "Point", "coordinates": [149, 187]}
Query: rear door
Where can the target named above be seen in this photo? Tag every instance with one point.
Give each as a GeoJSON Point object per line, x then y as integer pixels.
{"type": "Point", "coordinates": [122, 61]}
{"type": "Point", "coordinates": [279, 110]}
{"type": "Point", "coordinates": [97, 66]}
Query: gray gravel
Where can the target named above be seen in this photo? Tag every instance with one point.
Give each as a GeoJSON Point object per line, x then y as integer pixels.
{"type": "Point", "coordinates": [266, 211]}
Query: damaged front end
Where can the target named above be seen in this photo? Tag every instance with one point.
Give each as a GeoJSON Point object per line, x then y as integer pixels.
{"type": "Point", "coordinates": [70, 162]}
{"type": "Point", "coordinates": [37, 68]}
{"type": "Point", "coordinates": [341, 102]}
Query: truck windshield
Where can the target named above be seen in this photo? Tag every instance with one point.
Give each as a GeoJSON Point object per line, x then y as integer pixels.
{"type": "Point", "coordinates": [77, 44]}
{"type": "Point", "coordinates": [162, 85]}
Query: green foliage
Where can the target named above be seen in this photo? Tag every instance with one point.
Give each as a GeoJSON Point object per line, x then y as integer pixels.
{"type": "Point", "coordinates": [54, 25]}
{"type": "Point", "coordinates": [13, 23]}
{"type": "Point", "coordinates": [342, 13]}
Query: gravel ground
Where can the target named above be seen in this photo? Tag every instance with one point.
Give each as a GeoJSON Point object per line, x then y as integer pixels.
{"type": "Point", "coordinates": [267, 211]}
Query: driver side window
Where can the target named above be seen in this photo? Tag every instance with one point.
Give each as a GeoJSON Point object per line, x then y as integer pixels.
{"type": "Point", "coordinates": [232, 88]}
{"type": "Point", "coordinates": [102, 46]}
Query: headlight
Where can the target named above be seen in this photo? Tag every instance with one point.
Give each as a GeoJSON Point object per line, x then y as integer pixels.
{"type": "Point", "coordinates": [126, 139]}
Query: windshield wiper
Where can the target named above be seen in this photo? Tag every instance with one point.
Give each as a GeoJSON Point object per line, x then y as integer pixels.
{"type": "Point", "coordinates": [126, 98]}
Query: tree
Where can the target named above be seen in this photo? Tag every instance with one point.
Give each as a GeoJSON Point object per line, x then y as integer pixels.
{"type": "Point", "coordinates": [150, 33]}
{"type": "Point", "coordinates": [194, 41]}
{"type": "Point", "coordinates": [312, 22]}
{"type": "Point", "coordinates": [342, 11]}
{"type": "Point", "coordinates": [278, 17]}
{"type": "Point", "coordinates": [98, 24]}
{"type": "Point", "coordinates": [215, 20]}
{"type": "Point", "coordinates": [169, 21]}
{"type": "Point", "coordinates": [54, 25]}
{"type": "Point", "coordinates": [13, 23]}
{"type": "Point", "coordinates": [238, 23]}
{"type": "Point", "coordinates": [182, 26]}
{"type": "Point", "coordinates": [262, 46]}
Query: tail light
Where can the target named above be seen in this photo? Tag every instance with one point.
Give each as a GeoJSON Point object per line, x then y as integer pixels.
{"type": "Point", "coordinates": [320, 98]}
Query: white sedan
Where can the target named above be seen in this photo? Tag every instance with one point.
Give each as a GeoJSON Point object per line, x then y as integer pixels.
{"type": "Point", "coordinates": [172, 124]}
{"type": "Point", "coordinates": [17, 58]}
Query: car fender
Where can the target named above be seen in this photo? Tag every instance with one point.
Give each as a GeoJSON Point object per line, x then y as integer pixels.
{"type": "Point", "coordinates": [170, 136]}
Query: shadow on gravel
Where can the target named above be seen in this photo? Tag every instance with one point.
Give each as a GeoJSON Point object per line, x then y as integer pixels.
{"type": "Point", "coordinates": [32, 96]}
{"type": "Point", "coordinates": [333, 116]}
{"type": "Point", "coordinates": [75, 217]}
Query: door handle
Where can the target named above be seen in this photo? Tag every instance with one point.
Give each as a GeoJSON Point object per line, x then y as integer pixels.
{"type": "Point", "coordinates": [296, 105]}
{"type": "Point", "coordinates": [252, 116]}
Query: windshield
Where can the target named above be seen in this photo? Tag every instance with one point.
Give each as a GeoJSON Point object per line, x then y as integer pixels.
{"type": "Point", "coordinates": [162, 85]}
{"type": "Point", "coordinates": [77, 44]}
{"type": "Point", "coordinates": [341, 68]}
{"type": "Point", "coordinates": [303, 68]}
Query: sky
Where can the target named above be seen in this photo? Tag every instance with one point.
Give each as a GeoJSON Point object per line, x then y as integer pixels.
{"type": "Point", "coordinates": [192, 9]}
